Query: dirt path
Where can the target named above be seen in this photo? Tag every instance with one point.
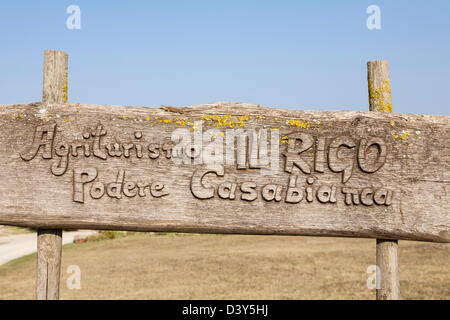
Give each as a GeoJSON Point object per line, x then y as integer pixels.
{"type": "Point", "coordinates": [18, 245]}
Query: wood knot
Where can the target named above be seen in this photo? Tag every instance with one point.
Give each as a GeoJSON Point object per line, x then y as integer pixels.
{"type": "Point", "coordinates": [356, 121]}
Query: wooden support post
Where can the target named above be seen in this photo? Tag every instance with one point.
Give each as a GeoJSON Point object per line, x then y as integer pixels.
{"type": "Point", "coordinates": [380, 100]}
{"type": "Point", "coordinates": [49, 241]}
{"type": "Point", "coordinates": [55, 77]}
{"type": "Point", "coordinates": [387, 261]}
{"type": "Point", "coordinates": [49, 246]}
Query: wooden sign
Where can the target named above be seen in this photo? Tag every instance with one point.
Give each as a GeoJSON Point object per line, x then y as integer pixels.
{"type": "Point", "coordinates": [226, 168]}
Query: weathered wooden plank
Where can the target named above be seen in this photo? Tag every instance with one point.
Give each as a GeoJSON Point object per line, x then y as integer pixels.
{"type": "Point", "coordinates": [380, 100]}
{"type": "Point", "coordinates": [358, 174]}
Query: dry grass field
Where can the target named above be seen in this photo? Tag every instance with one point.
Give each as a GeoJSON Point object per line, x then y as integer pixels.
{"type": "Point", "coordinates": [180, 266]}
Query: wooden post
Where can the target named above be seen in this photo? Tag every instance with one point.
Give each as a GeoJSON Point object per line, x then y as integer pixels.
{"type": "Point", "coordinates": [387, 261]}
{"type": "Point", "coordinates": [49, 246]}
{"type": "Point", "coordinates": [49, 241]}
{"type": "Point", "coordinates": [55, 77]}
{"type": "Point", "coordinates": [380, 100]}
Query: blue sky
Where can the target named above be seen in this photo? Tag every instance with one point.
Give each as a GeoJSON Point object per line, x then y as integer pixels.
{"type": "Point", "coordinates": [295, 54]}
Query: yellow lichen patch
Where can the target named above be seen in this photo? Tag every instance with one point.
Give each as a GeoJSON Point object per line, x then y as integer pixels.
{"type": "Point", "coordinates": [298, 123]}
{"type": "Point", "coordinates": [242, 120]}
{"type": "Point", "coordinates": [226, 120]}
{"type": "Point", "coordinates": [66, 120]}
{"type": "Point", "coordinates": [380, 98]}
{"type": "Point", "coordinates": [181, 122]}
{"type": "Point", "coordinates": [16, 116]}
{"type": "Point", "coordinates": [196, 126]}
{"type": "Point", "coordinates": [405, 135]}
{"type": "Point", "coordinates": [65, 88]}
{"type": "Point", "coordinates": [392, 123]}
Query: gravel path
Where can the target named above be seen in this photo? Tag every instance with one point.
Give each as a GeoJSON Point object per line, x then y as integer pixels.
{"type": "Point", "coordinates": [18, 245]}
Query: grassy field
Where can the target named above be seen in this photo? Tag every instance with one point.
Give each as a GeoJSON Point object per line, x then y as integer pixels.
{"type": "Point", "coordinates": [179, 266]}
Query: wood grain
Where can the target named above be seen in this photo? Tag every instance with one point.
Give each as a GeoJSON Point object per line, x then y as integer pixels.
{"type": "Point", "coordinates": [380, 100]}
{"type": "Point", "coordinates": [55, 77]}
{"type": "Point", "coordinates": [64, 184]}
{"type": "Point", "coordinates": [49, 242]}
{"type": "Point", "coordinates": [387, 262]}
{"type": "Point", "coordinates": [48, 264]}
{"type": "Point", "coordinates": [379, 84]}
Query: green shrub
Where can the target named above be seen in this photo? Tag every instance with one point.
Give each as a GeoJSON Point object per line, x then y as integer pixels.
{"type": "Point", "coordinates": [110, 234]}
{"type": "Point", "coordinates": [106, 235]}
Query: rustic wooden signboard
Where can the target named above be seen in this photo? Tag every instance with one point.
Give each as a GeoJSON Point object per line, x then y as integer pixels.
{"type": "Point", "coordinates": [226, 168]}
